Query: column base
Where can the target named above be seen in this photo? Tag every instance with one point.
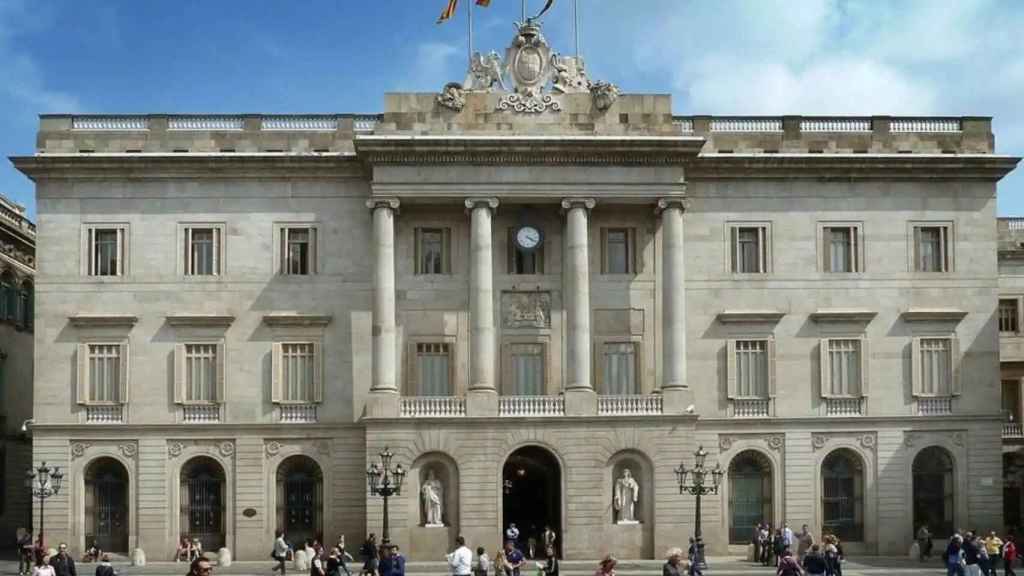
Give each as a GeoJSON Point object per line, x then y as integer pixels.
{"type": "Point", "coordinates": [581, 402]}
{"type": "Point", "coordinates": [677, 400]}
{"type": "Point", "coordinates": [383, 404]}
{"type": "Point", "coordinates": [482, 403]}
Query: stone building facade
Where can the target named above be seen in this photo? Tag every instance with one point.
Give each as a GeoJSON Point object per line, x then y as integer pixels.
{"type": "Point", "coordinates": [236, 314]}
{"type": "Point", "coordinates": [17, 278]}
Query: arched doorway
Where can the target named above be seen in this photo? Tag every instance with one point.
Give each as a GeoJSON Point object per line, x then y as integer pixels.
{"type": "Point", "coordinates": [532, 494]}
{"type": "Point", "coordinates": [1013, 487]}
{"type": "Point", "coordinates": [203, 502]}
{"type": "Point", "coordinates": [106, 505]}
{"type": "Point", "coordinates": [842, 495]}
{"type": "Point", "coordinates": [300, 499]}
{"type": "Point", "coordinates": [750, 495]}
{"type": "Point", "coordinates": [933, 491]}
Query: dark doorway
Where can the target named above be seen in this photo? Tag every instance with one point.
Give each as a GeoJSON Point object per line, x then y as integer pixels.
{"type": "Point", "coordinates": [202, 502]}
{"type": "Point", "coordinates": [750, 495]}
{"type": "Point", "coordinates": [532, 489]}
{"type": "Point", "coordinates": [934, 491]}
{"type": "Point", "coordinates": [106, 505]}
{"type": "Point", "coordinates": [300, 500]}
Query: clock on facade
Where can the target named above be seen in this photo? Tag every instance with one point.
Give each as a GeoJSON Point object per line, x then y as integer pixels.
{"type": "Point", "coordinates": [528, 237]}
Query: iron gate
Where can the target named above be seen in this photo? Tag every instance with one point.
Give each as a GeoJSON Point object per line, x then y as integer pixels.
{"type": "Point", "coordinates": [302, 507]}
{"type": "Point", "coordinates": [202, 514]}
{"type": "Point", "coordinates": [110, 513]}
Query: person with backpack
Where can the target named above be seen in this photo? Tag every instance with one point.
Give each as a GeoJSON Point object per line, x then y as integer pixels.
{"type": "Point", "coordinates": [954, 557]}
{"type": "Point", "coordinates": [814, 563]}
{"type": "Point", "coordinates": [788, 566]}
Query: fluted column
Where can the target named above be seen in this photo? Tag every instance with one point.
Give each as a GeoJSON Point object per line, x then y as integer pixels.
{"type": "Point", "coordinates": [579, 390]}
{"type": "Point", "coordinates": [673, 296]}
{"type": "Point", "coordinates": [481, 295]}
{"type": "Point", "coordinates": [384, 388]}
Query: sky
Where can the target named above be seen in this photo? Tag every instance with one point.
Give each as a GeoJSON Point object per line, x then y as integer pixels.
{"type": "Point", "coordinates": [727, 57]}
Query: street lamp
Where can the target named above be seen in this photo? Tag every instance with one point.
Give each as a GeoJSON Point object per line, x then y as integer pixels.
{"type": "Point", "coordinates": [385, 482]}
{"type": "Point", "coordinates": [694, 481]}
{"type": "Point", "coordinates": [43, 482]}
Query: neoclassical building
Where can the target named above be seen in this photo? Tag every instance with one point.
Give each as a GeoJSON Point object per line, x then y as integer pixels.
{"type": "Point", "coordinates": [523, 295]}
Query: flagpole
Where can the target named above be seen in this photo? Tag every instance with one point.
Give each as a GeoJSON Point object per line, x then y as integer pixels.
{"type": "Point", "coordinates": [469, 9]}
{"type": "Point", "coordinates": [524, 10]}
{"type": "Point", "coordinates": [576, 25]}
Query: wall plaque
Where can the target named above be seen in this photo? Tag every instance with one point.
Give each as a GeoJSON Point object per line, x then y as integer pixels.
{"type": "Point", "coordinates": [526, 309]}
{"type": "Point", "coordinates": [249, 512]}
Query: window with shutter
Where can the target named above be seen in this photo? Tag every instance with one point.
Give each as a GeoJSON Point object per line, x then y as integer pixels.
{"type": "Point", "coordinates": [298, 250]}
{"type": "Point", "coordinates": [932, 249]}
{"type": "Point", "coordinates": [433, 251]}
{"type": "Point", "coordinates": [296, 373]}
{"type": "Point", "coordinates": [1009, 313]}
{"type": "Point", "coordinates": [842, 367]}
{"type": "Point", "coordinates": [619, 249]}
{"type": "Point", "coordinates": [203, 250]}
{"type": "Point", "coordinates": [433, 369]}
{"type": "Point", "coordinates": [749, 250]}
{"type": "Point", "coordinates": [107, 250]}
{"type": "Point", "coordinates": [102, 377]}
{"type": "Point", "coordinates": [619, 368]}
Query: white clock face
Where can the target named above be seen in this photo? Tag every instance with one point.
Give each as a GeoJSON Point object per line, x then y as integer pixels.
{"type": "Point", "coordinates": [528, 237]}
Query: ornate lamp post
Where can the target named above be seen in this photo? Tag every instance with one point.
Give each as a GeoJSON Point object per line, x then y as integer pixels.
{"type": "Point", "coordinates": [43, 482]}
{"type": "Point", "coordinates": [385, 482]}
{"type": "Point", "coordinates": [695, 481]}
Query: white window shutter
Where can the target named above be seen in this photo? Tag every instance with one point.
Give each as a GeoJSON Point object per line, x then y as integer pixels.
{"type": "Point", "coordinates": [313, 252]}
{"type": "Point", "coordinates": [734, 249]}
{"type": "Point", "coordinates": [412, 385]}
{"type": "Point", "coordinates": [221, 391]}
{"type": "Point", "coordinates": [865, 367]}
{"type": "Point", "coordinates": [180, 377]}
{"type": "Point", "coordinates": [276, 385]}
{"type": "Point", "coordinates": [730, 368]}
{"type": "Point", "coordinates": [318, 370]}
{"type": "Point", "coordinates": [915, 364]}
{"type": "Point", "coordinates": [825, 371]}
{"type": "Point", "coordinates": [123, 384]}
{"type": "Point", "coordinates": [956, 387]}
{"type": "Point", "coordinates": [82, 379]}
{"type": "Point", "coordinates": [771, 368]}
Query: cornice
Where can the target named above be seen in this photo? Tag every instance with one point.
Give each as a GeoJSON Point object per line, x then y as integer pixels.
{"type": "Point", "coordinates": [750, 316]}
{"type": "Point", "coordinates": [843, 315]}
{"type": "Point", "coordinates": [289, 319]}
{"type": "Point", "coordinates": [201, 320]}
{"type": "Point", "coordinates": [103, 320]}
{"type": "Point", "coordinates": [851, 166]}
{"type": "Point", "coordinates": [933, 315]}
{"type": "Point", "coordinates": [527, 150]}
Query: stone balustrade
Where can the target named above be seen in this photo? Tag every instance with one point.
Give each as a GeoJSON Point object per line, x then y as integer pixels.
{"type": "Point", "coordinates": [298, 413]}
{"type": "Point", "coordinates": [206, 123]}
{"type": "Point", "coordinates": [752, 124]}
{"type": "Point", "coordinates": [531, 406]}
{"type": "Point", "coordinates": [632, 405]}
{"type": "Point", "coordinates": [835, 125]}
{"type": "Point", "coordinates": [751, 407]}
{"type": "Point", "coordinates": [937, 406]}
{"type": "Point", "coordinates": [1013, 430]}
{"type": "Point", "coordinates": [300, 123]}
{"type": "Point", "coordinates": [201, 413]}
{"type": "Point", "coordinates": [104, 414]}
{"type": "Point", "coordinates": [844, 406]}
{"type": "Point", "coordinates": [433, 407]}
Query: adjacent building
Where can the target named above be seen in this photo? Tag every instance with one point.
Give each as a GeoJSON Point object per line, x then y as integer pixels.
{"type": "Point", "coordinates": [522, 295]}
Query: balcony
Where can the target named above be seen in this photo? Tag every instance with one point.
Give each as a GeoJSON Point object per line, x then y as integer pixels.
{"type": "Point", "coordinates": [842, 407]}
{"type": "Point", "coordinates": [201, 413]}
{"type": "Point", "coordinates": [525, 406]}
{"type": "Point", "coordinates": [937, 406]}
{"type": "Point", "coordinates": [632, 405]}
{"type": "Point", "coordinates": [1013, 431]}
{"type": "Point", "coordinates": [433, 407]}
{"type": "Point", "coordinates": [298, 413]}
{"type": "Point", "coordinates": [751, 407]}
{"type": "Point", "coordinates": [104, 414]}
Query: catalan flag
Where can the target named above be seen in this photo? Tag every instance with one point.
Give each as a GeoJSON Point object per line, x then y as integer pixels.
{"type": "Point", "coordinates": [449, 11]}
{"type": "Point", "coordinates": [546, 7]}
{"type": "Point", "coordinates": [484, 3]}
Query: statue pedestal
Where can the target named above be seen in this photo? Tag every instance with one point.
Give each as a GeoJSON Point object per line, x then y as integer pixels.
{"type": "Point", "coordinates": [627, 539]}
{"type": "Point", "coordinates": [430, 542]}
{"type": "Point", "coordinates": [627, 522]}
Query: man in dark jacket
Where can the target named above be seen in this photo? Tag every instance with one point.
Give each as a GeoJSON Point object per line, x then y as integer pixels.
{"type": "Point", "coordinates": [970, 547]}
{"type": "Point", "coordinates": [63, 564]}
{"type": "Point", "coordinates": [814, 562]}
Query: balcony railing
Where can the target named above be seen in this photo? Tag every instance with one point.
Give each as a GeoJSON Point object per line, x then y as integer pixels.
{"type": "Point", "coordinates": [201, 413]}
{"type": "Point", "coordinates": [938, 406]}
{"type": "Point", "coordinates": [205, 123]}
{"type": "Point", "coordinates": [835, 125]}
{"type": "Point", "coordinates": [632, 405]}
{"type": "Point", "coordinates": [105, 414]}
{"type": "Point", "coordinates": [298, 413]}
{"type": "Point", "coordinates": [753, 124]}
{"type": "Point", "coordinates": [1013, 430]}
{"type": "Point", "coordinates": [844, 406]}
{"type": "Point", "coordinates": [433, 407]}
{"type": "Point", "coordinates": [531, 406]}
{"type": "Point", "coordinates": [751, 407]}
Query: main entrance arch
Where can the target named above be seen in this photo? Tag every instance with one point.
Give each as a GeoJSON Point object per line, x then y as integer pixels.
{"type": "Point", "coordinates": [532, 494]}
{"type": "Point", "coordinates": [300, 499]}
{"type": "Point", "coordinates": [934, 491]}
{"type": "Point", "coordinates": [203, 502]}
{"type": "Point", "coordinates": [750, 495]}
{"type": "Point", "coordinates": [106, 505]}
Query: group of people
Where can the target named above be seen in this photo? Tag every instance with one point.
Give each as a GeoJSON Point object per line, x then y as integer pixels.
{"type": "Point", "coordinates": [968, 554]}
{"type": "Point", "coordinates": [322, 561]}
{"type": "Point", "coordinates": [796, 553]}
{"type": "Point", "coordinates": [188, 549]}
{"type": "Point", "coordinates": [36, 560]}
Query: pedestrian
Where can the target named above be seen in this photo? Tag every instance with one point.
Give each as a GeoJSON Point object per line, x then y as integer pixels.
{"type": "Point", "coordinates": [196, 551]}
{"type": "Point", "coordinates": [764, 540]}
{"type": "Point", "coordinates": [104, 568]}
{"type": "Point", "coordinates": [531, 541]}
{"type": "Point", "coordinates": [954, 556]}
{"type": "Point", "coordinates": [513, 559]}
{"type": "Point", "coordinates": [692, 557]}
{"type": "Point", "coordinates": [393, 563]}
{"type": "Point", "coordinates": [368, 554]}
{"type": "Point", "coordinates": [831, 553]}
{"type": "Point", "coordinates": [483, 563]}
{"type": "Point", "coordinates": [550, 565]}
{"type": "Point", "coordinates": [43, 567]}
{"type": "Point", "coordinates": [25, 553]}
{"type": "Point", "coordinates": [1009, 556]}
{"type": "Point", "coordinates": [200, 567]}
{"type": "Point", "coordinates": [778, 546]}
{"type": "Point", "coordinates": [788, 566]}
{"type": "Point", "coordinates": [787, 535]}
{"type": "Point", "coordinates": [994, 548]}
{"type": "Point", "coordinates": [63, 564]}
{"type": "Point", "coordinates": [755, 541]}
{"type": "Point", "coordinates": [460, 560]}
{"type": "Point", "coordinates": [814, 562]}
{"type": "Point", "coordinates": [316, 565]}
{"type": "Point", "coordinates": [972, 555]}
{"type": "Point", "coordinates": [548, 537]}
{"type": "Point", "coordinates": [333, 563]}
{"type": "Point", "coordinates": [924, 542]}
{"type": "Point", "coordinates": [92, 553]}
{"type": "Point", "coordinates": [344, 558]}
{"type": "Point", "coordinates": [279, 552]}
{"type": "Point", "coordinates": [673, 563]}
{"type": "Point", "coordinates": [804, 541]}
{"type": "Point", "coordinates": [500, 563]}
{"type": "Point", "coordinates": [607, 566]}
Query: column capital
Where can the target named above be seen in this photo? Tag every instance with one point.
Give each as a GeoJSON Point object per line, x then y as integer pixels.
{"type": "Point", "coordinates": [392, 203]}
{"type": "Point", "coordinates": [588, 203]}
{"type": "Point", "coordinates": [489, 202]}
{"type": "Point", "coordinates": [680, 202]}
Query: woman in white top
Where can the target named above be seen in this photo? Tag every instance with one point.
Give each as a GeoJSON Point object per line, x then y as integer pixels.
{"type": "Point", "coordinates": [43, 569]}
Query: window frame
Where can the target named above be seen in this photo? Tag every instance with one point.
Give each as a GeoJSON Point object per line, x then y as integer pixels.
{"type": "Point", "coordinates": [447, 232]}
{"type": "Point", "coordinates": [281, 233]}
{"type": "Point", "coordinates": [185, 249]}
{"type": "Point", "coordinates": [955, 384]}
{"type": "Point", "coordinates": [599, 372]}
{"type": "Point", "coordinates": [732, 247]}
{"type": "Point", "coordinates": [83, 384]}
{"type": "Point", "coordinates": [1017, 317]}
{"type": "Point", "coordinates": [947, 245]}
{"type": "Point", "coordinates": [277, 378]}
{"type": "Point", "coordinates": [181, 373]}
{"type": "Point", "coordinates": [507, 379]}
{"type": "Point", "coordinates": [412, 383]}
{"type": "Point", "coordinates": [857, 250]}
{"type": "Point", "coordinates": [632, 253]}
{"type": "Point", "coordinates": [825, 364]}
{"type": "Point", "coordinates": [88, 260]}
{"type": "Point", "coordinates": [731, 368]}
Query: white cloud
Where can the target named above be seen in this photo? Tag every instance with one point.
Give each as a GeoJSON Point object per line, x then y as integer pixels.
{"type": "Point", "coordinates": [22, 81]}
{"type": "Point", "coordinates": [433, 66]}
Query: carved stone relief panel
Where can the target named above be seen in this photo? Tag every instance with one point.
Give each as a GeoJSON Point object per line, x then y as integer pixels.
{"type": "Point", "coordinates": [526, 309]}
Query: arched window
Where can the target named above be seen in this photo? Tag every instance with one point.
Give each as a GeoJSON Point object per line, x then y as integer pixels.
{"type": "Point", "coordinates": [300, 499]}
{"type": "Point", "coordinates": [842, 495]}
{"type": "Point", "coordinates": [933, 491]}
{"type": "Point", "coordinates": [7, 296]}
{"type": "Point", "coordinates": [26, 302]}
{"type": "Point", "coordinates": [750, 495]}
{"type": "Point", "coordinates": [203, 502]}
{"type": "Point", "coordinates": [106, 505]}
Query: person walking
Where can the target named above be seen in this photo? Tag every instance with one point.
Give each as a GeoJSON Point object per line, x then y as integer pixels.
{"type": "Point", "coordinates": [25, 553]}
{"type": "Point", "coordinates": [1009, 556]}
{"type": "Point", "coordinates": [460, 561]}
{"type": "Point", "coordinates": [804, 542]}
{"type": "Point", "coordinates": [994, 548]}
{"type": "Point", "coordinates": [924, 542]}
{"type": "Point", "coordinates": [787, 535]}
{"type": "Point", "coordinates": [954, 557]}
{"type": "Point", "coordinates": [972, 553]}
{"type": "Point", "coordinates": [483, 563]}
{"type": "Point", "coordinates": [778, 546]}
{"type": "Point", "coordinates": [548, 537]}
{"type": "Point", "coordinates": [43, 567]}
{"type": "Point", "coordinates": [344, 558]}
{"type": "Point", "coordinates": [393, 563]}
{"type": "Point", "coordinates": [814, 562]}
{"type": "Point", "coordinates": [550, 565]}
{"type": "Point", "coordinates": [200, 567]}
{"type": "Point", "coordinates": [673, 563]}
{"type": "Point", "coordinates": [63, 564]}
{"type": "Point", "coordinates": [513, 559]}
{"type": "Point", "coordinates": [279, 552]}
{"type": "Point", "coordinates": [368, 554]}
{"type": "Point", "coordinates": [500, 563]}
{"type": "Point", "coordinates": [607, 566]}
{"type": "Point", "coordinates": [104, 568]}
{"type": "Point", "coordinates": [788, 566]}
{"type": "Point", "coordinates": [333, 563]}
{"type": "Point", "coordinates": [765, 543]}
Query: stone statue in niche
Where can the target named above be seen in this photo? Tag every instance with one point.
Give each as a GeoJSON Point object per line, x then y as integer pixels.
{"type": "Point", "coordinates": [627, 494]}
{"type": "Point", "coordinates": [433, 500]}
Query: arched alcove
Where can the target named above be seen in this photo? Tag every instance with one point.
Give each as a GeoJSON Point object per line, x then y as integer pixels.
{"type": "Point", "coordinates": [300, 500]}
{"type": "Point", "coordinates": [641, 470]}
{"type": "Point", "coordinates": [842, 495]}
{"type": "Point", "coordinates": [751, 489]}
{"type": "Point", "coordinates": [203, 498]}
{"type": "Point", "coordinates": [445, 472]}
{"type": "Point", "coordinates": [107, 494]}
{"type": "Point", "coordinates": [934, 488]}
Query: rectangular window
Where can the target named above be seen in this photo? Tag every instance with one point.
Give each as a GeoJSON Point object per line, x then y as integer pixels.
{"type": "Point", "coordinates": [932, 248]}
{"type": "Point", "coordinates": [936, 366]}
{"type": "Point", "coordinates": [104, 372]}
{"type": "Point", "coordinates": [844, 366]}
{"type": "Point", "coordinates": [433, 369]}
{"type": "Point", "coordinates": [297, 372]}
{"type": "Point", "coordinates": [841, 249]}
{"type": "Point", "coordinates": [202, 251]}
{"type": "Point", "coordinates": [524, 261]}
{"type": "Point", "coordinates": [751, 369]}
{"type": "Point", "coordinates": [298, 250]}
{"type": "Point", "coordinates": [749, 249]}
{"type": "Point", "coordinates": [201, 372]}
{"type": "Point", "coordinates": [107, 251]}
{"type": "Point", "coordinates": [433, 251]}
{"type": "Point", "coordinates": [619, 248]}
{"type": "Point", "coordinates": [527, 369]}
{"type": "Point", "coordinates": [1008, 315]}
{"type": "Point", "coordinates": [619, 368]}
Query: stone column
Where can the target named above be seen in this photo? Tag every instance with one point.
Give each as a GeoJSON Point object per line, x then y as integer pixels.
{"type": "Point", "coordinates": [482, 399]}
{"type": "Point", "coordinates": [383, 399]}
{"type": "Point", "coordinates": [580, 398]}
{"type": "Point", "coordinates": [676, 391]}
